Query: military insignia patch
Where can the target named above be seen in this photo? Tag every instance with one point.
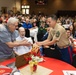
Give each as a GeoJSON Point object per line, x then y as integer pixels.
{"type": "Point", "coordinates": [57, 34]}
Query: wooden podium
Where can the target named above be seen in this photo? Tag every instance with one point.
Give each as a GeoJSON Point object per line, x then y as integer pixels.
{"type": "Point", "coordinates": [20, 60]}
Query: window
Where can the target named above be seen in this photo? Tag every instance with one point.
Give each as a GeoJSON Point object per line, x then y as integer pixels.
{"type": "Point", "coordinates": [25, 9]}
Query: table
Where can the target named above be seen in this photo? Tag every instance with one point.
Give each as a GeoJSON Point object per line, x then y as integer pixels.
{"type": "Point", "coordinates": [56, 65]}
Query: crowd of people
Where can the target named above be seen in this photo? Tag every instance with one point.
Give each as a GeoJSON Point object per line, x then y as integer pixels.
{"type": "Point", "coordinates": [39, 22]}
{"type": "Point", "coordinates": [19, 32]}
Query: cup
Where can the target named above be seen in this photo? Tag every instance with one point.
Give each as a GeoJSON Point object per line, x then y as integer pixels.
{"type": "Point", "coordinates": [33, 66]}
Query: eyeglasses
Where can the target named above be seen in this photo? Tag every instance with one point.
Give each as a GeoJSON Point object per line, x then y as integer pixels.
{"type": "Point", "coordinates": [16, 25]}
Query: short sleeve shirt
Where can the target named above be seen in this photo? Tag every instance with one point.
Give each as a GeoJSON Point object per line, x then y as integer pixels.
{"type": "Point", "coordinates": [6, 36]}
{"type": "Point", "coordinates": [50, 36]}
{"type": "Point", "coordinates": [59, 34]}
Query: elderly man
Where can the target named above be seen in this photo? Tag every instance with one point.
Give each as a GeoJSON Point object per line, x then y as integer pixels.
{"type": "Point", "coordinates": [23, 49]}
{"type": "Point", "coordinates": [7, 39]}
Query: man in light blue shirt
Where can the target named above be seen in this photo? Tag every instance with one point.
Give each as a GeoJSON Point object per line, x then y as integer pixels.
{"type": "Point", "coordinates": [8, 36]}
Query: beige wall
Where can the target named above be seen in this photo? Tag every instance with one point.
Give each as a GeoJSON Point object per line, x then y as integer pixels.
{"type": "Point", "coordinates": [10, 4]}
{"type": "Point", "coordinates": [53, 6]}
{"type": "Point", "coordinates": [18, 5]}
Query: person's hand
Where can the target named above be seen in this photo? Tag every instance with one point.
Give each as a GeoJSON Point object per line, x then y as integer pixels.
{"type": "Point", "coordinates": [26, 43]}
{"type": "Point", "coordinates": [25, 40]}
{"type": "Point", "coordinates": [35, 48]}
{"type": "Point", "coordinates": [39, 43]}
{"type": "Point", "coordinates": [35, 45]}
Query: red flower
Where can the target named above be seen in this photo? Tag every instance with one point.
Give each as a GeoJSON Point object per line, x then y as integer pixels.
{"type": "Point", "coordinates": [29, 58]}
{"type": "Point", "coordinates": [34, 53]}
{"type": "Point", "coordinates": [34, 68]}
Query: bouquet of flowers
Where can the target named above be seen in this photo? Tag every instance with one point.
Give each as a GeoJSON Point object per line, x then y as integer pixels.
{"type": "Point", "coordinates": [33, 58]}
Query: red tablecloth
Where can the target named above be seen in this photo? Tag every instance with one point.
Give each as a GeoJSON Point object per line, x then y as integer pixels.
{"type": "Point", "coordinates": [56, 65]}
{"type": "Point", "coordinates": [8, 62]}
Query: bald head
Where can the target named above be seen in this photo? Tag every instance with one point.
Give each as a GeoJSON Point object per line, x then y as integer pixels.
{"type": "Point", "coordinates": [21, 29]}
{"type": "Point", "coordinates": [22, 32]}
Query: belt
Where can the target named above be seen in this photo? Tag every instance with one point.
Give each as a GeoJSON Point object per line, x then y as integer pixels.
{"type": "Point", "coordinates": [49, 47]}
{"type": "Point", "coordinates": [52, 48]}
{"type": "Point", "coordinates": [61, 47]}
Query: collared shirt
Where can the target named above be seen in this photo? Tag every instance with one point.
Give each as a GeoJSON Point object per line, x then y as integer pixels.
{"type": "Point", "coordinates": [6, 36]}
{"type": "Point", "coordinates": [59, 34]}
{"type": "Point", "coordinates": [23, 49]}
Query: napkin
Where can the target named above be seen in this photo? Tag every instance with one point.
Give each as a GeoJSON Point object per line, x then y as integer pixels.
{"type": "Point", "coordinates": [40, 71]}
{"type": "Point", "coordinates": [69, 72]}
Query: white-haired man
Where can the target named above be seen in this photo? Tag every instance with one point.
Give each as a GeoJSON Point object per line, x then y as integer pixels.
{"type": "Point", "coordinates": [23, 49]}
{"type": "Point", "coordinates": [7, 39]}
